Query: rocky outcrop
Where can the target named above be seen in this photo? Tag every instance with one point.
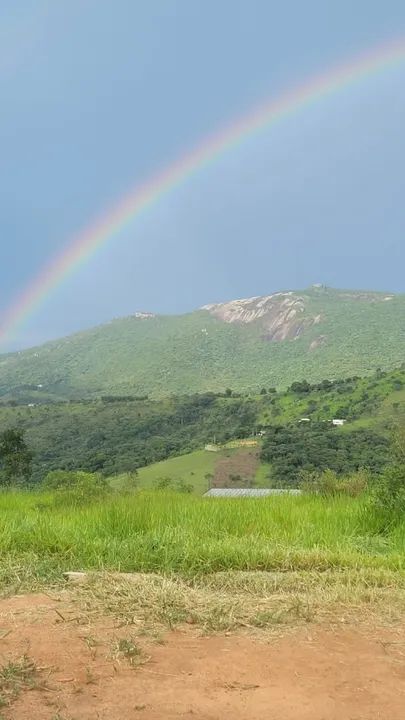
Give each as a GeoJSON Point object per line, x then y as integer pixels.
{"type": "Point", "coordinates": [282, 316]}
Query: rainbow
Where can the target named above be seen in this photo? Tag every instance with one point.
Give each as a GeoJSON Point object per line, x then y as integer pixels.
{"type": "Point", "coordinates": [83, 246]}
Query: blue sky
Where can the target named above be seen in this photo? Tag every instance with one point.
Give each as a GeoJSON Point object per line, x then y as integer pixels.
{"type": "Point", "coordinates": [99, 94]}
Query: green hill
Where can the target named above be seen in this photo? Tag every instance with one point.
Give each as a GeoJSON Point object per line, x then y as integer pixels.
{"type": "Point", "coordinates": [246, 344]}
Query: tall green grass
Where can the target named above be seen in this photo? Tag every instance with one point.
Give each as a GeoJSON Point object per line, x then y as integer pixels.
{"type": "Point", "coordinates": [168, 532]}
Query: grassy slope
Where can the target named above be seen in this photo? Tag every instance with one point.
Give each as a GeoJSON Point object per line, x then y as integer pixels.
{"type": "Point", "coordinates": [196, 352]}
{"type": "Point", "coordinates": [192, 468]}
{"type": "Point", "coordinates": [375, 399]}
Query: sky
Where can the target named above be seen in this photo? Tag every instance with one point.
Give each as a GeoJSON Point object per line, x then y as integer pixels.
{"type": "Point", "coordinates": [98, 95]}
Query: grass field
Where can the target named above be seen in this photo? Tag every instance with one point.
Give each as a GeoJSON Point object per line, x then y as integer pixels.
{"type": "Point", "coordinates": [191, 468]}
{"type": "Point", "coordinates": [173, 533]}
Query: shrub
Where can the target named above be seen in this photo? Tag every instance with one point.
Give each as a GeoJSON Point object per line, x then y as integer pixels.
{"type": "Point", "coordinates": [59, 480]}
{"type": "Point", "coordinates": [75, 488]}
{"type": "Point", "coordinates": [168, 483]}
{"type": "Point", "coordinates": [329, 483]}
{"type": "Point", "coordinates": [387, 500]}
{"type": "Point", "coordinates": [126, 482]}
{"type": "Point", "coordinates": [163, 483]}
{"type": "Point", "coordinates": [183, 487]}
{"type": "Point", "coordinates": [15, 458]}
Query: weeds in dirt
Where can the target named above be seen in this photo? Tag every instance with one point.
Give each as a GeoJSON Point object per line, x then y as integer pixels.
{"type": "Point", "coordinates": [92, 644]}
{"type": "Point", "coordinates": [90, 677]}
{"type": "Point", "coordinates": [127, 648]}
{"type": "Point", "coordinates": [16, 676]}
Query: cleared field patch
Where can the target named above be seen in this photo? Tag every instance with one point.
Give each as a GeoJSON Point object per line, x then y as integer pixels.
{"type": "Point", "coordinates": [237, 468]}
{"type": "Point", "coordinates": [227, 467]}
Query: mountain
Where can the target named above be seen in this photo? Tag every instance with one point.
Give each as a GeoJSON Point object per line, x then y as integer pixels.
{"type": "Point", "coordinates": [243, 344]}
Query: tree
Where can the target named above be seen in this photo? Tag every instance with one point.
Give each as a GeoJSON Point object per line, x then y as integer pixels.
{"type": "Point", "coordinates": [15, 457]}
{"type": "Point", "coordinates": [209, 478]}
{"type": "Point", "coordinates": [300, 387]}
{"type": "Point", "coordinates": [316, 447]}
{"type": "Point", "coordinates": [388, 499]}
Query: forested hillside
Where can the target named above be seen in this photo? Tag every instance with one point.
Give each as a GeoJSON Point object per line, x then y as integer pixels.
{"type": "Point", "coordinates": [114, 434]}
{"type": "Point", "coordinates": [244, 344]}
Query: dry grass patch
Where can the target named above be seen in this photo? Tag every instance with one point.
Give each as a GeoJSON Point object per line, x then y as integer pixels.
{"type": "Point", "coordinates": [235, 600]}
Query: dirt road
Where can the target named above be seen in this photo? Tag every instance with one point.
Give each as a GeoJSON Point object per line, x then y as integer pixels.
{"type": "Point", "coordinates": [100, 672]}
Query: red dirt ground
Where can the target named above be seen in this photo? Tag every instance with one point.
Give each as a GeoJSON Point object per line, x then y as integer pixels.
{"type": "Point", "coordinates": [241, 464]}
{"type": "Point", "coordinates": [316, 673]}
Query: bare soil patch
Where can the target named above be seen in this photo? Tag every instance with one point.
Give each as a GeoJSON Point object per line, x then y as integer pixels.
{"type": "Point", "coordinates": [238, 469]}
{"type": "Point", "coordinates": [99, 669]}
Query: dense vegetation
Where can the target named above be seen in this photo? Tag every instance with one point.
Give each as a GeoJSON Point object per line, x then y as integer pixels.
{"type": "Point", "coordinates": [354, 334]}
{"type": "Point", "coordinates": [294, 450]}
{"type": "Point", "coordinates": [115, 435]}
{"type": "Point", "coordinates": [124, 435]}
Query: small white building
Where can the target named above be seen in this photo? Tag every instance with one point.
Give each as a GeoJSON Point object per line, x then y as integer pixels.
{"type": "Point", "coordinates": [212, 448]}
{"type": "Point", "coordinates": [338, 423]}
